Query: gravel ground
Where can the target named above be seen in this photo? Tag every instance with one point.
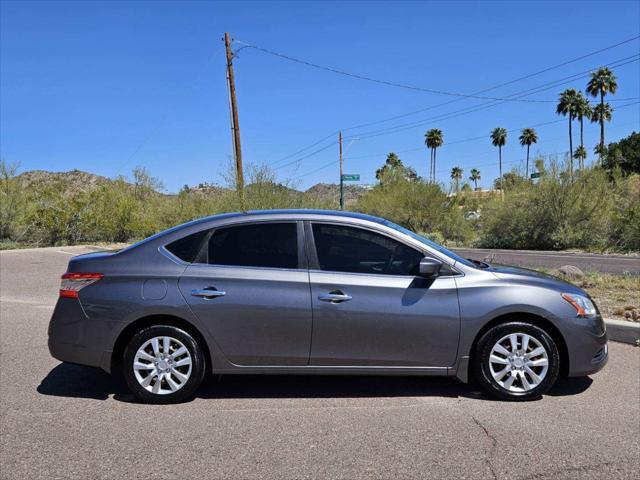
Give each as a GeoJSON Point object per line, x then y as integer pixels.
{"type": "Point", "coordinates": [64, 421]}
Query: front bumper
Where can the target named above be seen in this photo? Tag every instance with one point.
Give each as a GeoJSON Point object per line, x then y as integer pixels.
{"type": "Point", "coordinates": [587, 347]}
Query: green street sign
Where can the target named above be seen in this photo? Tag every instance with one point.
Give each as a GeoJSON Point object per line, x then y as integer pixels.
{"type": "Point", "coordinates": [535, 175]}
{"type": "Point", "coordinates": [350, 177]}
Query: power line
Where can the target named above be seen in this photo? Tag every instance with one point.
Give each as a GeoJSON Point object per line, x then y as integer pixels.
{"type": "Point", "coordinates": [481, 137]}
{"type": "Point", "coordinates": [457, 113]}
{"type": "Point", "coordinates": [305, 157]}
{"type": "Point", "coordinates": [331, 135]}
{"type": "Point", "coordinates": [440, 118]}
{"type": "Point", "coordinates": [508, 162]}
{"type": "Point", "coordinates": [384, 82]}
{"type": "Point", "coordinates": [327, 165]}
{"type": "Point", "coordinates": [582, 57]}
{"type": "Point", "coordinates": [524, 77]}
{"type": "Point", "coordinates": [464, 140]}
{"type": "Point", "coordinates": [483, 106]}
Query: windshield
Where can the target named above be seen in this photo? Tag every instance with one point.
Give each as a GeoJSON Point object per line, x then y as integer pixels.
{"type": "Point", "coordinates": [426, 241]}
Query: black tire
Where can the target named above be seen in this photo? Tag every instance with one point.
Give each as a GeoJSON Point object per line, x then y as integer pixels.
{"type": "Point", "coordinates": [188, 389]}
{"type": "Point", "coordinates": [481, 369]}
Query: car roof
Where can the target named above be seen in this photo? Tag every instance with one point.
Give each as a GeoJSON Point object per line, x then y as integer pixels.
{"type": "Point", "coordinates": [300, 212]}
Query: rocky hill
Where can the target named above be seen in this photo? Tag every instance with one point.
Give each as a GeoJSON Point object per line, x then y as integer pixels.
{"type": "Point", "coordinates": [331, 192]}
{"type": "Point", "coordinates": [78, 180]}
{"type": "Point", "coordinates": [75, 179]}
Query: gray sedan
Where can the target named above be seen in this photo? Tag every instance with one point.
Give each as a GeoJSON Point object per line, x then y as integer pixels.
{"type": "Point", "coordinates": [317, 292]}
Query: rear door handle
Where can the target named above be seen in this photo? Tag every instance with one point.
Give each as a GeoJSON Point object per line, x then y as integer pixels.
{"type": "Point", "coordinates": [208, 293]}
{"type": "Point", "coordinates": [335, 297]}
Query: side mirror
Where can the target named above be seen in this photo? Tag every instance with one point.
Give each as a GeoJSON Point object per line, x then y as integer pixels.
{"type": "Point", "coordinates": [430, 267]}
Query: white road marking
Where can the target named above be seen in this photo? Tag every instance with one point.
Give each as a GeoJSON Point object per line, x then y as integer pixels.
{"type": "Point", "coordinates": [26, 302]}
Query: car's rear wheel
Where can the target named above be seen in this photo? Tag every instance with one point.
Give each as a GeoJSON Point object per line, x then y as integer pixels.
{"type": "Point", "coordinates": [516, 361]}
{"type": "Point", "coordinates": [163, 364]}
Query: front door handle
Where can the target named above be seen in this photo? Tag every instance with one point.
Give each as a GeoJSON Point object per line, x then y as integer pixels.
{"type": "Point", "coordinates": [208, 293]}
{"type": "Point", "coordinates": [335, 297]}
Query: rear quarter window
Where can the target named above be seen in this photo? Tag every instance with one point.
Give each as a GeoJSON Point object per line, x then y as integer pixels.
{"type": "Point", "coordinates": [187, 248]}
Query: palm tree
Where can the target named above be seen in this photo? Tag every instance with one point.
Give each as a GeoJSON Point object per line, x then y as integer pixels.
{"type": "Point", "coordinates": [602, 81]}
{"type": "Point", "coordinates": [475, 176]}
{"type": "Point", "coordinates": [601, 113]}
{"type": "Point", "coordinates": [567, 105]}
{"type": "Point", "coordinates": [582, 111]}
{"type": "Point", "coordinates": [499, 139]}
{"type": "Point", "coordinates": [433, 139]}
{"type": "Point", "coordinates": [456, 176]}
{"type": "Point", "coordinates": [528, 137]}
{"type": "Point", "coordinates": [580, 155]}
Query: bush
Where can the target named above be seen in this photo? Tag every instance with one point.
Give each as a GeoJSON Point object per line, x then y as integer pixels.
{"type": "Point", "coordinates": [51, 218]}
{"type": "Point", "coordinates": [626, 221]}
{"type": "Point", "coordinates": [11, 201]}
{"type": "Point", "coordinates": [418, 206]}
{"type": "Point", "coordinates": [595, 210]}
{"type": "Point", "coordinates": [556, 213]}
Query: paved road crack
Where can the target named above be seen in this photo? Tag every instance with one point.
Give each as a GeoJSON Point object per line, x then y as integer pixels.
{"type": "Point", "coordinates": [492, 450]}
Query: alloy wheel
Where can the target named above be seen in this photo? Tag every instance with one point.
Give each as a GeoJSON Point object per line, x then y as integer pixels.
{"type": "Point", "coordinates": [518, 362]}
{"type": "Point", "coordinates": [162, 365]}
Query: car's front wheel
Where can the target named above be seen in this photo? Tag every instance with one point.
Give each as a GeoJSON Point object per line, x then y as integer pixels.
{"type": "Point", "coordinates": [163, 364]}
{"type": "Point", "coordinates": [516, 361]}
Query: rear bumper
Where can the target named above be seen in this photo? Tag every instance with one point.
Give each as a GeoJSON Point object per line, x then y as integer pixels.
{"type": "Point", "coordinates": [74, 338]}
{"type": "Point", "coordinates": [587, 347]}
{"type": "Point", "coordinates": [74, 353]}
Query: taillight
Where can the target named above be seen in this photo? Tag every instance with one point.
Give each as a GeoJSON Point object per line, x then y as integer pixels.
{"type": "Point", "coordinates": [72, 283]}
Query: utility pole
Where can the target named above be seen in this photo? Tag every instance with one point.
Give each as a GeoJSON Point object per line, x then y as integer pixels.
{"type": "Point", "coordinates": [341, 181]}
{"type": "Point", "coordinates": [235, 127]}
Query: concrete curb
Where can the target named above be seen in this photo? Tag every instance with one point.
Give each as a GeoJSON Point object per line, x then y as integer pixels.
{"type": "Point", "coordinates": [623, 331]}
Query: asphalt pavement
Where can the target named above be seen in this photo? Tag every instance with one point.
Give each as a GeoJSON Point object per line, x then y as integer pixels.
{"type": "Point", "coordinates": [65, 421]}
{"type": "Point", "coordinates": [587, 262]}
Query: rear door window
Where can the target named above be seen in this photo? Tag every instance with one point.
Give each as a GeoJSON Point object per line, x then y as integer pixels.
{"type": "Point", "coordinates": [271, 245]}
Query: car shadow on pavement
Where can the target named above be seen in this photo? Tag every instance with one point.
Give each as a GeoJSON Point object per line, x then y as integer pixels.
{"type": "Point", "coordinates": [570, 386]}
{"type": "Point", "coordinates": [75, 381]}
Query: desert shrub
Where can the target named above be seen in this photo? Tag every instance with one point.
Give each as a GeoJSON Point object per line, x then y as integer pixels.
{"type": "Point", "coordinates": [116, 213]}
{"type": "Point", "coordinates": [597, 209]}
{"type": "Point", "coordinates": [557, 212]}
{"type": "Point", "coordinates": [263, 191]}
{"type": "Point", "coordinates": [51, 218]}
{"type": "Point", "coordinates": [626, 219]}
{"type": "Point", "coordinates": [11, 201]}
{"type": "Point", "coordinates": [418, 206]}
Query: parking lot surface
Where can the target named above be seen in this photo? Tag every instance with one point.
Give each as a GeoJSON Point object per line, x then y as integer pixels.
{"type": "Point", "coordinates": [66, 421]}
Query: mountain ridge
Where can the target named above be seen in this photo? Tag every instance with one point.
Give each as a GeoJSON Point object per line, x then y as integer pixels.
{"type": "Point", "coordinates": [80, 180]}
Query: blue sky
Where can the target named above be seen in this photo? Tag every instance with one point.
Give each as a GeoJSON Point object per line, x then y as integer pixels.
{"type": "Point", "coordinates": [106, 86]}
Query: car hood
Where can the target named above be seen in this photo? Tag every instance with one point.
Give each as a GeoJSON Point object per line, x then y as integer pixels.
{"type": "Point", "coordinates": [526, 276]}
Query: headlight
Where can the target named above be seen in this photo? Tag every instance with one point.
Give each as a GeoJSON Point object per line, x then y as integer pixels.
{"type": "Point", "coordinates": [583, 305]}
